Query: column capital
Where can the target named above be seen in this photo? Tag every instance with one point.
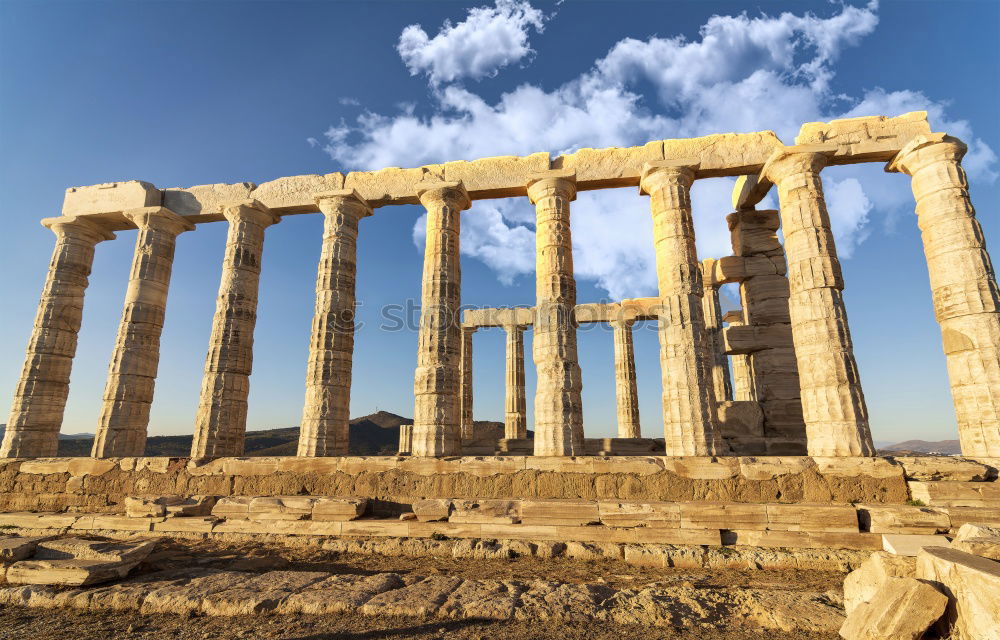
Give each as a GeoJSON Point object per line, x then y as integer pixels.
{"type": "Point", "coordinates": [158, 218]}
{"type": "Point", "coordinates": [681, 171]}
{"type": "Point", "coordinates": [924, 150]}
{"type": "Point", "coordinates": [78, 226]}
{"type": "Point", "coordinates": [448, 193]}
{"type": "Point", "coordinates": [560, 182]}
{"type": "Point", "coordinates": [789, 161]}
{"type": "Point", "coordinates": [250, 211]}
{"type": "Point", "coordinates": [343, 201]}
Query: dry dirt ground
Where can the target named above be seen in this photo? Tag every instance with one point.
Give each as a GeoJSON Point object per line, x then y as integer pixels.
{"type": "Point", "coordinates": [17, 623]}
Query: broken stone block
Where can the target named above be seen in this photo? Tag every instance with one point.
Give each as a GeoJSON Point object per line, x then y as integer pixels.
{"type": "Point", "coordinates": [339, 593]}
{"type": "Point", "coordinates": [110, 197]}
{"type": "Point", "coordinates": [903, 609]}
{"type": "Point", "coordinates": [723, 515]}
{"type": "Point", "coordinates": [972, 585]}
{"type": "Point", "coordinates": [978, 540]}
{"type": "Point", "coordinates": [338, 509]}
{"type": "Point", "coordinates": [419, 599]}
{"type": "Point", "coordinates": [102, 550]}
{"type": "Point", "coordinates": [186, 595]}
{"type": "Point", "coordinates": [484, 599]}
{"type": "Point", "coordinates": [864, 582]}
{"type": "Point", "coordinates": [144, 508]}
{"type": "Point", "coordinates": [13, 549]}
{"type": "Point", "coordinates": [902, 519]}
{"type": "Point", "coordinates": [902, 544]}
{"type": "Point", "coordinates": [431, 510]}
{"type": "Point", "coordinates": [281, 508]}
{"type": "Point", "coordinates": [485, 512]}
{"type": "Point", "coordinates": [618, 513]}
{"type": "Point", "coordinates": [560, 512]}
{"type": "Point", "coordinates": [232, 507]}
{"type": "Point", "coordinates": [567, 602]}
{"type": "Point", "coordinates": [76, 562]}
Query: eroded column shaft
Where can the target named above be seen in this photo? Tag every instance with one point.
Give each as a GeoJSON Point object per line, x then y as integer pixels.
{"type": "Point", "coordinates": [468, 428]}
{"type": "Point", "coordinates": [436, 412]}
{"type": "Point", "coordinates": [833, 403]}
{"type": "Point", "coordinates": [744, 388]}
{"type": "Point", "coordinates": [721, 385]}
{"type": "Point", "coordinates": [685, 357]}
{"type": "Point", "coordinates": [963, 285]}
{"type": "Point", "coordinates": [558, 402]}
{"type": "Point", "coordinates": [515, 405]}
{"type": "Point", "coordinates": [220, 425]}
{"type": "Point", "coordinates": [626, 394]}
{"type": "Point", "coordinates": [128, 395]}
{"type": "Point", "coordinates": [326, 416]}
{"type": "Point", "coordinates": [40, 397]}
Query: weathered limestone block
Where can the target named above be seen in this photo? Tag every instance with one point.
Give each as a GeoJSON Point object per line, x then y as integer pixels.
{"type": "Point", "coordinates": [812, 517]}
{"type": "Point", "coordinates": [260, 593]}
{"type": "Point", "coordinates": [937, 468]}
{"type": "Point", "coordinates": [497, 177]}
{"type": "Point", "coordinates": [972, 585]}
{"type": "Point", "coordinates": [338, 509]}
{"type": "Point", "coordinates": [741, 425]}
{"type": "Point", "coordinates": [437, 413]}
{"type": "Point", "coordinates": [963, 285]}
{"type": "Point", "coordinates": [558, 401]}
{"type": "Point", "coordinates": [954, 494]}
{"type": "Point", "coordinates": [484, 600]}
{"type": "Point", "coordinates": [40, 397]}
{"type": "Point", "coordinates": [281, 508]}
{"type": "Point", "coordinates": [13, 549]}
{"type": "Point", "coordinates": [864, 582]}
{"type": "Point", "coordinates": [864, 139]}
{"type": "Point", "coordinates": [206, 200]}
{"type": "Point", "coordinates": [515, 404]}
{"type": "Point", "coordinates": [723, 515]}
{"type": "Point", "coordinates": [232, 507]}
{"type": "Point", "coordinates": [432, 509]}
{"type": "Point", "coordinates": [339, 594]}
{"type": "Point", "coordinates": [685, 357]}
{"type": "Point", "coordinates": [220, 424]}
{"type": "Point", "coordinates": [392, 185]}
{"type": "Point", "coordinates": [978, 540]}
{"type": "Point", "coordinates": [419, 599]}
{"type": "Point", "coordinates": [74, 561]}
{"type": "Point", "coordinates": [559, 512]}
{"type": "Point", "coordinates": [128, 395]}
{"type": "Point", "coordinates": [959, 516]}
{"type": "Point", "coordinates": [902, 544]}
{"type": "Point", "coordinates": [611, 167]}
{"type": "Point", "coordinates": [902, 519]}
{"type": "Point", "coordinates": [296, 194]}
{"type": "Point", "coordinates": [639, 514]}
{"type": "Point", "coordinates": [110, 197]}
{"type": "Point", "coordinates": [903, 609]}
{"type": "Point", "coordinates": [325, 426]}
{"type": "Point", "coordinates": [187, 593]}
{"type": "Point", "coordinates": [485, 512]}
{"type": "Point", "coordinates": [833, 404]}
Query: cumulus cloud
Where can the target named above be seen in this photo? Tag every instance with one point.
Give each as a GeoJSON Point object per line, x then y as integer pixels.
{"type": "Point", "coordinates": [489, 39]}
{"type": "Point", "coordinates": [742, 74]}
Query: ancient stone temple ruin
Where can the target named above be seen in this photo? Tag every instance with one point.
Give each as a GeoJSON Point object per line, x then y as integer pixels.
{"type": "Point", "coordinates": [794, 388]}
{"type": "Point", "coordinates": [765, 458]}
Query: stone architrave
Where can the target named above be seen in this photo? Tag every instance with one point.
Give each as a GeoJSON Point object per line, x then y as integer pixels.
{"type": "Point", "coordinates": [963, 285]}
{"type": "Point", "coordinates": [128, 395]}
{"type": "Point", "coordinates": [40, 398]}
{"type": "Point", "coordinates": [744, 388]}
{"type": "Point", "coordinates": [686, 360]}
{"type": "Point", "coordinates": [326, 418]}
{"type": "Point", "coordinates": [833, 404]}
{"type": "Point", "coordinates": [713, 327]}
{"type": "Point", "coordinates": [468, 426]}
{"type": "Point", "coordinates": [220, 425]}
{"type": "Point", "coordinates": [764, 292]}
{"type": "Point", "coordinates": [436, 412]}
{"type": "Point", "coordinates": [515, 406]}
{"type": "Point", "coordinates": [626, 395]}
{"type": "Point", "coordinates": [558, 401]}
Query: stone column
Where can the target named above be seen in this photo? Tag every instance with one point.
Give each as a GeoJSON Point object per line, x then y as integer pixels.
{"type": "Point", "coordinates": [626, 395]}
{"type": "Point", "coordinates": [963, 285]}
{"type": "Point", "coordinates": [833, 403]}
{"type": "Point", "coordinates": [558, 403]}
{"type": "Point", "coordinates": [744, 388]}
{"type": "Point", "coordinates": [220, 425]}
{"type": "Point", "coordinates": [685, 358]}
{"type": "Point", "coordinates": [326, 417]}
{"type": "Point", "coordinates": [468, 428]}
{"type": "Point", "coordinates": [40, 398]}
{"type": "Point", "coordinates": [515, 406]}
{"type": "Point", "coordinates": [405, 439]}
{"type": "Point", "coordinates": [436, 412]}
{"type": "Point", "coordinates": [128, 395]}
{"type": "Point", "coordinates": [721, 385]}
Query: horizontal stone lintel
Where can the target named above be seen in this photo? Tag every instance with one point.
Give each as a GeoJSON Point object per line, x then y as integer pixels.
{"type": "Point", "coordinates": [854, 140]}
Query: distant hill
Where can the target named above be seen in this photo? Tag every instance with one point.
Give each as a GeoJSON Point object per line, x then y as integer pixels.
{"type": "Point", "coordinates": [943, 447]}
{"type": "Point", "coordinates": [375, 434]}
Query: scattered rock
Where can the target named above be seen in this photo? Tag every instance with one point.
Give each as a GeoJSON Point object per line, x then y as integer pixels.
{"type": "Point", "coordinates": [903, 609]}
{"type": "Point", "coordinates": [865, 581]}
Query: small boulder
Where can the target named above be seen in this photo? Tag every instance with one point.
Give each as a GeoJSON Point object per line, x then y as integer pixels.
{"type": "Point", "coordinates": [978, 540]}
{"type": "Point", "coordinates": [864, 582]}
{"type": "Point", "coordinates": [903, 609]}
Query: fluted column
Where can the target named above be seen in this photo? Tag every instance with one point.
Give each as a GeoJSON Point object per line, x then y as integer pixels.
{"type": "Point", "coordinates": [40, 398]}
{"type": "Point", "coordinates": [515, 406]}
{"type": "Point", "coordinates": [558, 402]}
{"type": "Point", "coordinates": [437, 412]}
{"type": "Point", "coordinates": [626, 395]}
{"type": "Point", "coordinates": [744, 388]}
{"type": "Point", "coordinates": [721, 385]}
{"type": "Point", "coordinates": [220, 425]}
{"type": "Point", "coordinates": [963, 285]}
{"type": "Point", "coordinates": [326, 417]}
{"type": "Point", "coordinates": [685, 357]}
{"type": "Point", "coordinates": [128, 395]}
{"type": "Point", "coordinates": [833, 404]}
{"type": "Point", "coordinates": [468, 428]}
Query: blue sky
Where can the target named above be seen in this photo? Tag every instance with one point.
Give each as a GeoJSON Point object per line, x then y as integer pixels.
{"type": "Point", "coordinates": [185, 93]}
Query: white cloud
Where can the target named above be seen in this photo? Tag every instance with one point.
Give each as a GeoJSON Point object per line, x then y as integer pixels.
{"type": "Point", "coordinates": [489, 39]}
{"type": "Point", "coordinates": [743, 74]}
